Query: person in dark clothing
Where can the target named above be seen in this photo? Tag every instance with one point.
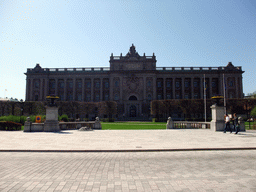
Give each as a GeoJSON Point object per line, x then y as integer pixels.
{"type": "Point", "coordinates": [236, 123]}
{"type": "Point", "coordinates": [227, 124]}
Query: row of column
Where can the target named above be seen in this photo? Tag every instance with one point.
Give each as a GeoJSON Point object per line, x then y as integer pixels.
{"type": "Point", "coordinates": [43, 89]}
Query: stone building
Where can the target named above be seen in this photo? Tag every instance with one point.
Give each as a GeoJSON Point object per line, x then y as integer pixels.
{"type": "Point", "coordinates": [132, 81]}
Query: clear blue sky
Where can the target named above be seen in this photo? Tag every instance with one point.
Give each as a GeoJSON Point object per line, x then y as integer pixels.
{"type": "Point", "coordinates": [72, 33]}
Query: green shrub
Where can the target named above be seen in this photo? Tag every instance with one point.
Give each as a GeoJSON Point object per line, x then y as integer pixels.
{"type": "Point", "coordinates": [64, 118]}
{"type": "Point", "coordinates": [253, 112]}
{"type": "Point", "coordinates": [12, 118]}
{"type": "Point", "coordinates": [32, 118]}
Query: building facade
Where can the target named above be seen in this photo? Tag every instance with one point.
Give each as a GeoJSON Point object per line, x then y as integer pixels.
{"type": "Point", "coordinates": [133, 81]}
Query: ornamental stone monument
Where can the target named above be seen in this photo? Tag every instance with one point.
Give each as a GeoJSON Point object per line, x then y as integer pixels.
{"type": "Point", "coordinates": [217, 123]}
{"type": "Point", "coordinates": [27, 125]}
{"type": "Point", "coordinates": [51, 123]}
{"type": "Point", "coordinates": [170, 123]}
{"type": "Point", "coordinates": [97, 124]}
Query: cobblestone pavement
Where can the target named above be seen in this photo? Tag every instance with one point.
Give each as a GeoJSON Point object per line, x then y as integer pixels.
{"type": "Point", "coordinates": [131, 171]}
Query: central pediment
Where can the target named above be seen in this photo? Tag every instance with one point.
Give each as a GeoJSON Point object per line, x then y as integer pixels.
{"type": "Point", "coordinates": [132, 61]}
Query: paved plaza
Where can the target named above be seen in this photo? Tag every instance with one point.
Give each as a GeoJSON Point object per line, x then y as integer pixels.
{"type": "Point", "coordinates": [125, 140]}
{"type": "Point", "coordinates": [74, 167]}
{"type": "Point", "coordinates": [151, 171]}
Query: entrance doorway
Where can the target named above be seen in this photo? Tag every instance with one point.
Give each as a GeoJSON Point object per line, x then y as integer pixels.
{"type": "Point", "coordinates": [133, 111]}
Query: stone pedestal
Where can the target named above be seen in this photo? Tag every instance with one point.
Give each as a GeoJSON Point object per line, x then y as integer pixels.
{"type": "Point", "coordinates": [97, 124]}
{"type": "Point", "coordinates": [51, 123]}
{"type": "Point", "coordinates": [217, 123]}
{"type": "Point", "coordinates": [170, 123]}
{"type": "Point", "coordinates": [27, 125]}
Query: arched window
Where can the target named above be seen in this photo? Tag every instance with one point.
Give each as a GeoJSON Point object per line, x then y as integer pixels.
{"type": "Point", "coordinates": [133, 98]}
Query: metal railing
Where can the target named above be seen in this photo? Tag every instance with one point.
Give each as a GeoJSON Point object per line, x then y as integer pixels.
{"type": "Point", "coordinates": [191, 125]}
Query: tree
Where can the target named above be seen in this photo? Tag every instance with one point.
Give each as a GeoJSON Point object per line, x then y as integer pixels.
{"type": "Point", "coordinates": [253, 112]}
{"type": "Point", "coordinates": [107, 108]}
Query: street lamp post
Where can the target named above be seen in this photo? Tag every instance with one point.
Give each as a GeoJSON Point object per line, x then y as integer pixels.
{"type": "Point", "coordinates": [21, 108]}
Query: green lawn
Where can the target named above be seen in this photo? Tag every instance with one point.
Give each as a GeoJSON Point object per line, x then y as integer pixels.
{"type": "Point", "coordinates": [252, 125]}
{"type": "Point", "coordinates": [132, 125]}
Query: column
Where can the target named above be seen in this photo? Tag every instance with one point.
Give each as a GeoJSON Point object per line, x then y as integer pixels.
{"type": "Point", "coordinates": [65, 89]}
{"type": "Point", "coordinates": [83, 81]}
{"type": "Point", "coordinates": [144, 88]}
{"type": "Point", "coordinates": [74, 89]}
{"type": "Point", "coordinates": [41, 90]}
{"type": "Point", "coordinates": [111, 88]}
{"type": "Point", "coordinates": [237, 87]}
{"type": "Point", "coordinates": [173, 88]}
{"type": "Point", "coordinates": [121, 89]}
{"type": "Point", "coordinates": [92, 91]}
{"type": "Point", "coordinates": [202, 88]}
{"type": "Point", "coordinates": [164, 87]}
{"type": "Point", "coordinates": [241, 87]}
{"type": "Point", "coordinates": [154, 88]}
{"type": "Point", "coordinates": [210, 86]}
{"type": "Point", "coordinates": [191, 87]}
{"type": "Point", "coordinates": [220, 85]}
{"type": "Point", "coordinates": [45, 88]}
{"type": "Point", "coordinates": [183, 88]}
{"type": "Point", "coordinates": [27, 89]}
{"type": "Point", "coordinates": [56, 87]}
{"type": "Point", "coordinates": [101, 89]}
{"type": "Point", "coordinates": [31, 89]}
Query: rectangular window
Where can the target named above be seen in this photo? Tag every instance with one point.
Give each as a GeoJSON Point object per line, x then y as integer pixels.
{"type": "Point", "coordinates": [168, 84]}
{"type": "Point", "coordinates": [70, 85]}
{"type": "Point", "coordinates": [195, 84]}
{"type": "Point", "coordinates": [97, 85]}
{"type": "Point", "coordinates": [159, 84]}
{"type": "Point", "coordinates": [106, 85]}
{"type": "Point", "coordinates": [70, 97]}
{"type": "Point", "coordinates": [186, 84]}
{"type": "Point", "coordinates": [116, 84]}
{"type": "Point", "coordinates": [52, 84]}
{"type": "Point", "coordinates": [88, 97]}
{"type": "Point", "coordinates": [106, 97]}
{"type": "Point", "coordinates": [116, 98]}
{"type": "Point", "coordinates": [61, 85]}
{"type": "Point", "coordinates": [79, 97]}
{"type": "Point", "coordinates": [79, 85]}
{"type": "Point", "coordinates": [97, 97]}
{"type": "Point", "coordinates": [61, 96]}
{"type": "Point", "coordinates": [88, 84]}
{"type": "Point", "coordinates": [37, 84]}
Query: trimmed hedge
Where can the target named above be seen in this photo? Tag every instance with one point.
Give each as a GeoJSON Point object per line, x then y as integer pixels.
{"type": "Point", "coordinates": [10, 126]}
{"type": "Point", "coordinates": [13, 118]}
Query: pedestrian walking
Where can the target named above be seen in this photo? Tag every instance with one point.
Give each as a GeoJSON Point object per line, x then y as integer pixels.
{"type": "Point", "coordinates": [227, 124]}
{"type": "Point", "coordinates": [236, 124]}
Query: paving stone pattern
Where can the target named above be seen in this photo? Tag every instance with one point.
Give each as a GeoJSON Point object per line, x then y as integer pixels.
{"type": "Point", "coordinates": [124, 140]}
{"type": "Point", "coordinates": [131, 171]}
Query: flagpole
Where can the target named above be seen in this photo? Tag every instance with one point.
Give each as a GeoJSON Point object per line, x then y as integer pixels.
{"type": "Point", "coordinates": [204, 100]}
{"type": "Point", "coordinates": [224, 88]}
